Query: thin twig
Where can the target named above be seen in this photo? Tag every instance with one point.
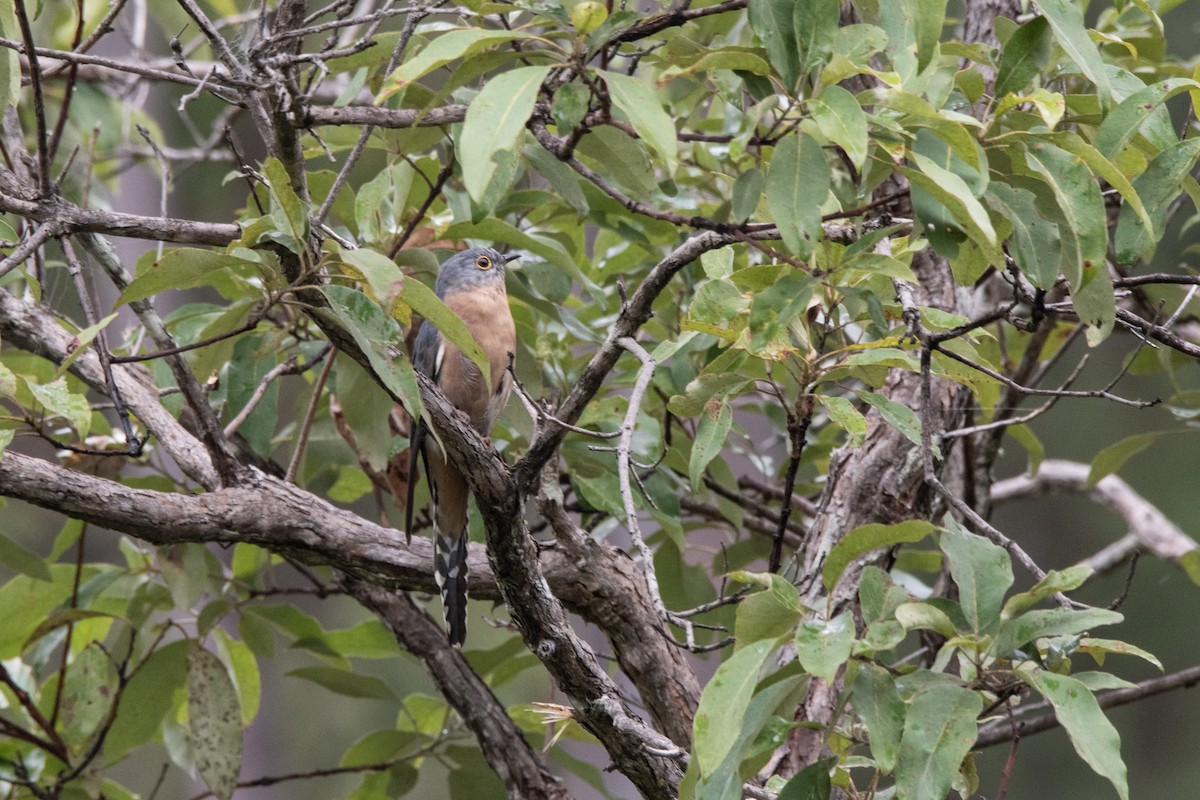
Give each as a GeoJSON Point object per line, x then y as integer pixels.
{"type": "Point", "coordinates": [410, 25]}
{"type": "Point", "coordinates": [133, 442]}
{"type": "Point", "coordinates": [309, 414]}
{"type": "Point", "coordinates": [1031, 390]}
{"type": "Point", "coordinates": [624, 452]}
{"type": "Point", "coordinates": [289, 367]}
{"type": "Point", "coordinates": [45, 184]}
{"type": "Point", "coordinates": [41, 234]}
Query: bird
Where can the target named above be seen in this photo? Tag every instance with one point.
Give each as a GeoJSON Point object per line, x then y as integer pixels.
{"type": "Point", "coordinates": [471, 284]}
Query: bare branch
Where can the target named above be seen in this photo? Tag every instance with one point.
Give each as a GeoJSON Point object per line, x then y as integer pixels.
{"type": "Point", "coordinates": [72, 219]}
{"type": "Point", "coordinates": [1149, 528]}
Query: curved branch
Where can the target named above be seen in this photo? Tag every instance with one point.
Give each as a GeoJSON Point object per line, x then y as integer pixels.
{"type": "Point", "coordinates": [1149, 528]}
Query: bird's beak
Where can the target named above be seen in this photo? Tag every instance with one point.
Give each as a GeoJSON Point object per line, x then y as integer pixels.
{"type": "Point", "coordinates": [510, 257]}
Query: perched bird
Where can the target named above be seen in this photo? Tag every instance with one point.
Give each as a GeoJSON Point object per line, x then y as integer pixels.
{"type": "Point", "coordinates": [471, 284]}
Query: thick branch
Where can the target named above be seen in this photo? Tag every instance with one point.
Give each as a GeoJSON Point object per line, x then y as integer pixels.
{"type": "Point", "coordinates": [521, 769]}
{"type": "Point", "coordinates": [284, 518]}
{"type": "Point", "coordinates": [71, 218]}
{"type": "Point", "coordinates": [31, 328]}
{"type": "Point", "coordinates": [645, 756]}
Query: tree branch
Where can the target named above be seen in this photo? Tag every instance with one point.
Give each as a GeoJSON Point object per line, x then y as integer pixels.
{"type": "Point", "coordinates": [1000, 730]}
{"type": "Point", "coordinates": [1149, 528]}
{"type": "Point", "coordinates": [523, 772]}
{"type": "Point", "coordinates": [72, 219]}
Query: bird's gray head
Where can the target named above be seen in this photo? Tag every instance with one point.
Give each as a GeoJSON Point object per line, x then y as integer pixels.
{"type": "Point", "coordinates": [470, 269]}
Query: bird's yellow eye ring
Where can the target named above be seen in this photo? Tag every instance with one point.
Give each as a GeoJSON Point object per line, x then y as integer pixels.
{"type": "Point", "coordinates": [483, 262]}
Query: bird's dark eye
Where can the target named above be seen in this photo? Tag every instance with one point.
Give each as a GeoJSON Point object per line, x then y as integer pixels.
{"type": "Point", "coordinates": [483, 262]}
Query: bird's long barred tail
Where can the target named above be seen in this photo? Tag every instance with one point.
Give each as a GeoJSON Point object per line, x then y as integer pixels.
{"type": "Point", "coordinates": [450, 564]}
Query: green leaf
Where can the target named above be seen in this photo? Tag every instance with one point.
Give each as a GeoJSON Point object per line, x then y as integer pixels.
{"type": "Point", "coordinates": [368, 639]}
{"type": "Point", "coordinates": [772, 20]}
{"type": "Point", "coordinates": [797, 186]}
{"type": "Point", "coordinates": [570, 105]}
{"type": "Point", "coordinates": [345, 683]}
{"type": "Point", "coordinates": [1102, 167]}
{"type": "Point", "coordinates": [899, 416]}
{"type": "Point", "coordinates": [57, 398]}
{"type": "Point", "coordinates": [929, 16]}
{"type": "Point", "coordinates": [158, 687]}
{"type": "Point", "coordinates": [1083, 225]}
{"type": "Point", "coordinates": [841, 119]}
{"type": "Point", "coordinates": [1026, 53]}
{"type": "Point", "coordinates": [823, 646]}
{"type": "Point", "coordinates": [1099, 648]}
{"type": "Point", "coordinates": [638, 101]}
{"type": "Point", "coordinates": [83, 340]}
{"type": "Point", "coordinates": [711, 431]}
{"type": "Point", "coordinates": [381, 201]}
{"type": "Point", "coordinates": [1111, 458]}
{"type": "Point", "coordinates": [815, 24]}
{"type": "Point", "coordinates": [88, 690]}
{"type": "Point", "coordinates": [19, 559]}
{"type": "Point", "coordinates": [244, 666]}
{"type": "Point", "coordinates": [376, 334]}
{"type": "Point", "coordinates": [1036, 624]}
{"type": "Point", "coordinates": [959, 199]}
{"type": "Point", "coordinates": [461, 43]}
{"type": "Point", "coordinates": [939, 731]}
{"type": "Point", "coordinates": [421, 299]}
{"type": "Point", "coordinates": [924, 617]}
{"type": "Point", "coordinates": [620, 158]}
{"type": "Point", "coordinates": [843, 414]}
{"type": "Point", "coordinates": [246, 371]}
{"type": "Point", "coordinates": [494, 123]}
{"type": "Point", "coordinates": [1190, 561]}
{"type": "Point", "coordinates": [723, 704]}
{"type": "Point", "coordinates": [766, 702]}
{"type": "Point", "coordinates": [702, 389]}
{"type": "Point", "coordinates": [747, 190]}
{"type": "Point", "coordinates": [882, 711]}
{"type": "Point", "coordinates": [378, 273]}
{"type": "Point", "coordinates": [773, 312]}
{"type": "Point", "coordinates": [866, 538]}
{"type": "Point", "coordinates": [768, 614]}
{"type": "Point", "coordinates": [10, 64]}
{"type": "Point", "coordinates": [1125, 120]}
{"type": "Point", "coordinates": [981, 570]}
{"type": "Point", "coordinates": [183, 268]}
{"type": "Point", "coordinates": [376, 747]}
{"type": "Point", "coordinates": [1066, 20]}
{"type": "Point", "coordinates": [1035, 241]}
{"type": "Point", "coordinates": [811, 783]}
{"type": "Point", "coordinates": [1055, 581]}
{"type": "Point", "coordinates": [288, 212]}
{"type": "Point", "coordinates": [1092, 735]}
{"type": "Point", "coordinates": [1158, 187]}
{"type": "Point", "coordinates": [214, 721]}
